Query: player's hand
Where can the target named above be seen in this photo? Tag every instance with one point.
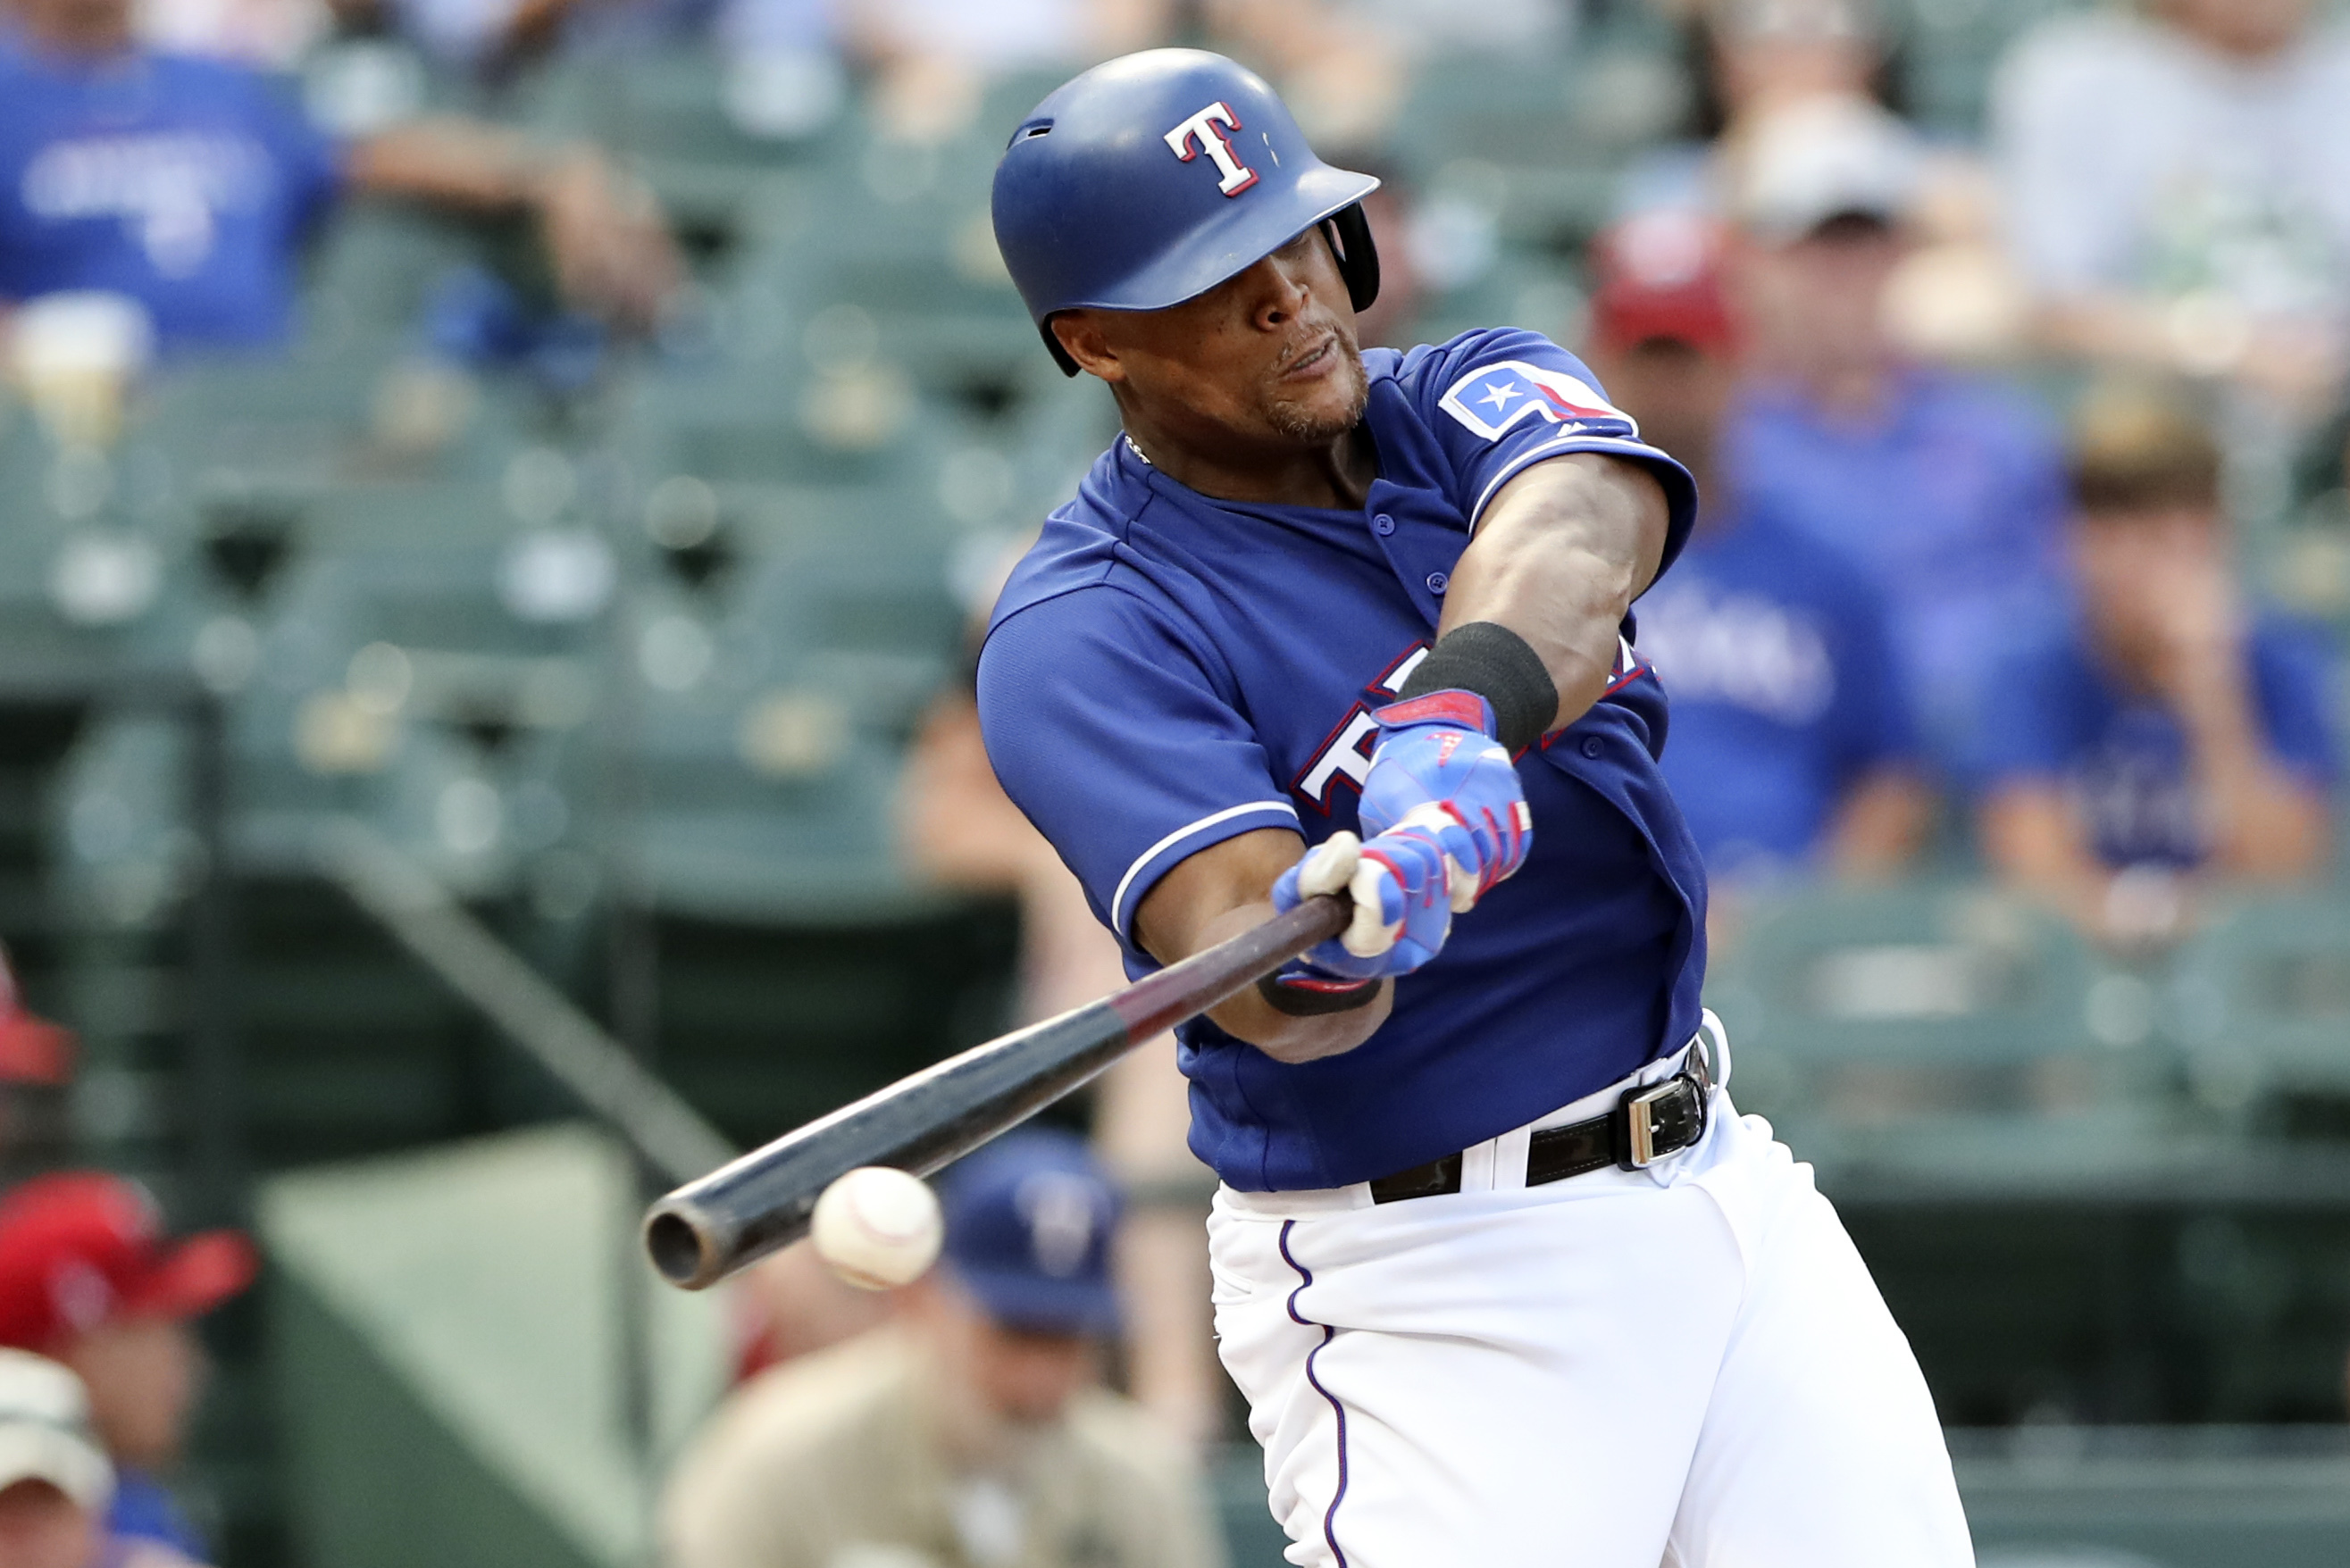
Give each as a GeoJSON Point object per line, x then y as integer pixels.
{"type": "Point", "coordinates": [1437, 763]}
{"type": "Point", "coordinates": [1400, 882]}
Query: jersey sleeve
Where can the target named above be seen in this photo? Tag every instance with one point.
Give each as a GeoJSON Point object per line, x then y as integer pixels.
{"type": "Point", "coordinates": [2293, 674]}
{"type": "Point", "coordinates": [1500, 402]}
{"type": "Point", "coordinates": [1872, 725]}
{"type": "Point", "coordinates": [309, 161]}
{"type": "Point", "coordinates": [1108, 728]}
{"type": "Point", "coordinates": [2029, 735]}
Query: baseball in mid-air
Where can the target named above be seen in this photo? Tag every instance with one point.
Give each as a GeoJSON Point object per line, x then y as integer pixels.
{"type": "Point", "coordinates": [877, 1228]}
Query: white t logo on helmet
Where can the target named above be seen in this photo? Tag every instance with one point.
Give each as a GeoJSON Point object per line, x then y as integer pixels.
{"type": "Point", "coordinates": [1199, 134]}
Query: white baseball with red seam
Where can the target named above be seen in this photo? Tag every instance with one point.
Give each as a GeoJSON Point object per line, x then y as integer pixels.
{"type": "Point", "coordinates": [877, 1228]}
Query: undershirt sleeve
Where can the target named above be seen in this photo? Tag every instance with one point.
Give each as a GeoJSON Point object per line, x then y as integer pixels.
{"type": "Point", "coordinates": [1108, 730]}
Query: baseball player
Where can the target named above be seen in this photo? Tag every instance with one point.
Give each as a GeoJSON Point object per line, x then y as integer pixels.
{"type": "Point", "coordinates": [1504, 1277]}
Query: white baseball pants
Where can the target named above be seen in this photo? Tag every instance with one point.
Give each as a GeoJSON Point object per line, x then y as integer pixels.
{"type": "Point", "coordinates": [1686, 1365]}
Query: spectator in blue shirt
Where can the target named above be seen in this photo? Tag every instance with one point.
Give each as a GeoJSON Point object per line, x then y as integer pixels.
{"type": "Point", "coordinates": [2171, 731]}
{"type": "Point", "coordinates": [1791, 751]}
{"type": "Point", "coordinates": [1945, 490]}
{"type": "Point", "coordinates": [189, 184]}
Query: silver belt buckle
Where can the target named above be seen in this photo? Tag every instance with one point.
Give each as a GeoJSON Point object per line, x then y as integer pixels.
{"type": "Point", "coordinates": [1641, 1122]}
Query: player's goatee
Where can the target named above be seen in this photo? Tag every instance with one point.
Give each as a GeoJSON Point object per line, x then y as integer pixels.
{"type": "Point", "coordinates": [1307, 428]}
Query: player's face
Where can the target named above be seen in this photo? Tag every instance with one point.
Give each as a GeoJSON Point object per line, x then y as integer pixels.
{"type": "Point", "coordinates": [1816, 306]}
{"type": "Point", "coordinates": [1677, 392]}
{"type": "Point", "coordinates": [1026, 1379]}
{"type": "Point", "coordinates": [2134, 568]}
{"type": "Point", "coordinates": [143, 1375]}
{"type": "Point", "coordinates": [40, 1527]}
{"type": "Point", "coordinates": [77, 25]}
{"type": "Point", "coordinates": [2250, 27]}
{"type": "Point", "coordinates": [1266, 359]}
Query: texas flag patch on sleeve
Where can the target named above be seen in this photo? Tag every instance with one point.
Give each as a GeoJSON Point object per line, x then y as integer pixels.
{"type": "Point", "coordinates": [1492, 398]}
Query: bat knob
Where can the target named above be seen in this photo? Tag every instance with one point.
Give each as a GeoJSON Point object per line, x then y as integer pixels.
{"type": "Point", "coordinates": [678, 1237]}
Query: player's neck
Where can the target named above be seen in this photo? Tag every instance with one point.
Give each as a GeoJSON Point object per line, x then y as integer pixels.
{"type": "Point", "coordinates": [1334, 473]}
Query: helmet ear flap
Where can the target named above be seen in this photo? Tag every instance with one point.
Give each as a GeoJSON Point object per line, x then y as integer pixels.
{"type": "Point", "coordinates": [1358, 258]}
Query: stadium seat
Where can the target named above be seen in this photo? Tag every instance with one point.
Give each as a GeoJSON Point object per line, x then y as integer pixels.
{"type": "Point", "coordinates": [1925, 1025]}
{"type": "Point", "coordinates": [2262, 997]}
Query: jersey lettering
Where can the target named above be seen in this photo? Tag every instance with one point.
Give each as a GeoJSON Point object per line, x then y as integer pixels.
{"type": "Point", "coordinates": [1199, 134]}
{"type": "Point", "coordinates": [1393, 680]}
{"type": "Point", "coordinates": [1492, 398]}
{"type": "Point", "coordinates": [1345, 755]}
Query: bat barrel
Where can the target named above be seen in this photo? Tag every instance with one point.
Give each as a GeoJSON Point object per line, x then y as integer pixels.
{"type": "Point", "coordinates": [762, 1201]}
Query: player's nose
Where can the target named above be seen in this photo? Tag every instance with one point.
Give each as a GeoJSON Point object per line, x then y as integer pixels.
{"type": "Point", "coordinates": [1280, 294]}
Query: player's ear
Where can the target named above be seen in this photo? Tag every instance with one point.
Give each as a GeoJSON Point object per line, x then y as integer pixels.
{"type": "Point", "coordinates": [1080, 336]}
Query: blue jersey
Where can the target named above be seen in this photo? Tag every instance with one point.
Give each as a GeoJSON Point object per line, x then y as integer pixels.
{"type": "Point", "coordinates": [1950, 501]}
{"type": "Point", "coordinates": [2123, 757]}
{"type": "Point", "coordinates": [184, 183]}
{"type": "Point", "coordinates": [1783, 694]}
{"type": "Point", "coordinates": [142, 1510]}
{"type": "Point", "coordinates": [1165, 671]}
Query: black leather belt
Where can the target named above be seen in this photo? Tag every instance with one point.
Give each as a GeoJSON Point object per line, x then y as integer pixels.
{"type": "Point", "coordinates": [1647, 1124]}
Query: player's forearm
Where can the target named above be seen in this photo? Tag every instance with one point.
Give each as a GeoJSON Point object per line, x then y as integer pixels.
{"type": "Point", "coordinates": [2028, 835]}
{"type": "Point", "coordinates": [2264, 824]}
{"type": "Point", "coordinates": [1559, 556]}
{"type": "Point", "coordinates": [1878, 827]}
{"type": "Point", "coordinates": [1221, 891]}
{"type": "Point", "coordinates": [1288, 1037]}
{"type": "Point", "coordinates": [453, 162]}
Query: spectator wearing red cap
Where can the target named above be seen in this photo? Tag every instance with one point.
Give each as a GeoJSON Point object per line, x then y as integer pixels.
{"type": "Point", "coordinates": [1791, 748]}
{"type": "Point", "coordinates": [88, 1278]}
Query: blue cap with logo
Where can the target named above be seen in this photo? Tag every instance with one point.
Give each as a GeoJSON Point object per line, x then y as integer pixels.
{"type": "Point", "coordinates": [1029, 1222]}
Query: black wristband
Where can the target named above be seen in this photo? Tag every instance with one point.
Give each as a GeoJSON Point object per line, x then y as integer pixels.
{"type": "Point", "coordinates": [1500, 666]}
{"type": "Point", "coordinates": [1315, 999]}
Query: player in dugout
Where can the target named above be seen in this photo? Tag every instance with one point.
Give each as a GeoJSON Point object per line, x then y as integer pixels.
{"type": "Point", "coordinates": [1501, 1271]}
{"type": "Point", "coordinates": [969, 1432]}
{"type": "Point", "coordinates": [190, 184]}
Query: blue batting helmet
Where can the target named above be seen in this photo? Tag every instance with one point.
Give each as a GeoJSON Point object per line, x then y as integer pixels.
{"type": "Point", "coordinates": [1156, 176]}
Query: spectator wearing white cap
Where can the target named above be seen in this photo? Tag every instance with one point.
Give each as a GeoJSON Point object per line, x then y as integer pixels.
{"type": "Point", "coordinates": [1946, 489]}
{"type": "Point", "coordinates": [53, 1481]}
{"type": "Point", "coordinates": [2178, 188]}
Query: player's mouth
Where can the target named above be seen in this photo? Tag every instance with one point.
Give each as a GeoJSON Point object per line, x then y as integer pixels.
{"type": "Point", "coordinates": [1313, 362]}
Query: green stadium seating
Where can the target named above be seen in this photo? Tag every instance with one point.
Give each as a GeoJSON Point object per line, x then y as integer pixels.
{"type": "Point", "coordinates": [2262, 997]}
{"type": "Point", "coordinates": [1930, 1025]}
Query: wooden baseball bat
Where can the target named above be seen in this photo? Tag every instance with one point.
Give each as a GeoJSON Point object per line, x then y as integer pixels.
{"type": "Point", "coordinates": [744, 1210]}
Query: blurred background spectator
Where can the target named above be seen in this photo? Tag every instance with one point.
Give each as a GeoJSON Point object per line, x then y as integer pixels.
{"type": "Point", "coordinates": [188, 185]}
{"type": "Point", "coordinates": [54, 1482]}
{"type": "Point", "coordinates": [1943, 488]}
{"type": "Point", "coordinates": [970, 1432]}
{"type": "Point", "coordinates": [1792, 750]}
{"type": "Point", "coordinates": [2175, 186]}
{"type": "Point", "coordinates": [2177, 728]}
{"type": "Point", "coordinates": [86, 1277]}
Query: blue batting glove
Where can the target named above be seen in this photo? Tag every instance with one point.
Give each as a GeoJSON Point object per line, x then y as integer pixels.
{"type": "Point", "coordinates": [1400, 882]}
{"type": "Point", "coordinates": [1438, 766]}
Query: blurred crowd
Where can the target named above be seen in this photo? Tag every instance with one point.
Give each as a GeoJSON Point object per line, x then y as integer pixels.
{"type": "Point", "coordinates": [1982, 431]}
{"type": "Point", "coordinates": [1926, 617]}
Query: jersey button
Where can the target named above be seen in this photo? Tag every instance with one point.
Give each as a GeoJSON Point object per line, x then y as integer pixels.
{"type": "Point", "coordinates": [1383, 524]}
{"type": "Point", "coordinates": [1591, 746]}
{"type": "Point", "coordinates": [1438, 582]}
